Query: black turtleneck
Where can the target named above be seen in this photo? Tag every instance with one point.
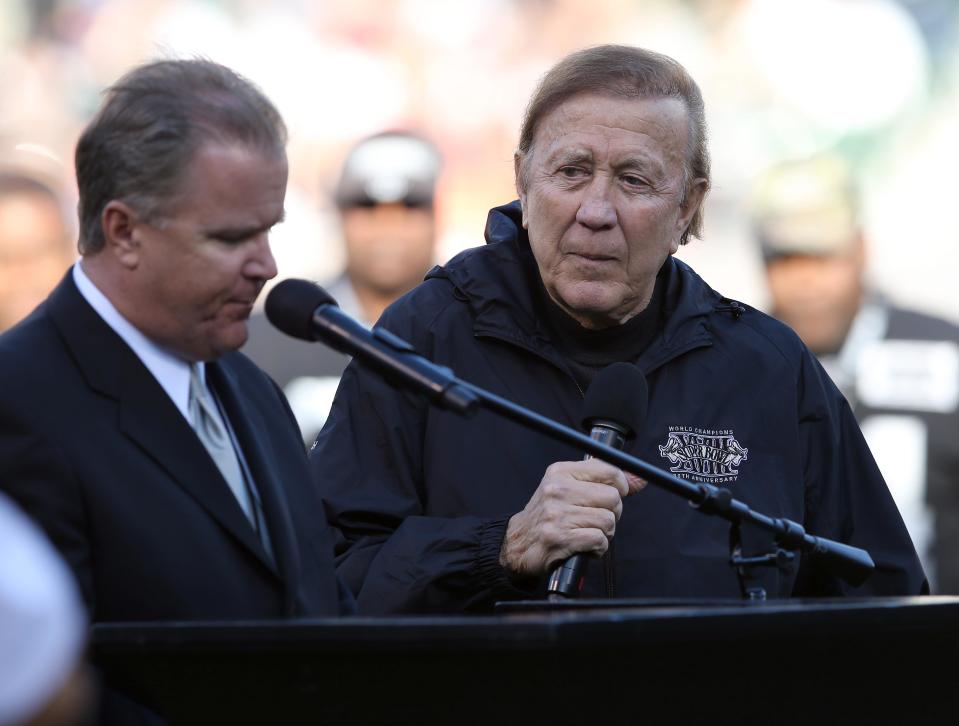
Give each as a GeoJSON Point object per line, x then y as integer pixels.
{"type": "Point", "coordinates": [587, 351]}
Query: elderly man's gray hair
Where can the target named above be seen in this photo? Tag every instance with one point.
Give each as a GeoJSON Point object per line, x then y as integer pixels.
{"type": "Point", "coordinates": [624, 72]}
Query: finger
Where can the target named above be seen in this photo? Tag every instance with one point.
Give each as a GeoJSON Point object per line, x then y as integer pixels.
{"type": "Point", "coordinates": [556, 532]}
{"type": "Point", "coordinates": [565, 490]}
{"type": "Point", "coordinates": [590, 494]}
{"type": "Point", "coordinates": [635, 483]}
{"type": "Point", "coordinates": [553, 529]}
{"type": "Point", "coordinates": [588, 540]}
{"type": "Point", "coordinates": [605, 521]}
{"type": "Point", "coordinates": [591, 518]}
{"type": "Point", "coordinates": [600, 472]}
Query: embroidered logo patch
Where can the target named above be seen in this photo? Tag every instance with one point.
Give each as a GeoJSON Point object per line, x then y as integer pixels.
{"type": "Point", "coordinates": [704, 455]}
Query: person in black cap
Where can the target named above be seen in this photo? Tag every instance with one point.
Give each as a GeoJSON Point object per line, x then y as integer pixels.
{"type": "Point", "coordinates": [899, 369]}
{"type": "Point", "coordinates": [385, 197]}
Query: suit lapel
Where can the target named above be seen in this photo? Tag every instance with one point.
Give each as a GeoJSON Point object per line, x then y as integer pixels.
{"type": "Point", "coordinates": [252, 429]}
{"type": "Point", "coordinates": [147, 416]}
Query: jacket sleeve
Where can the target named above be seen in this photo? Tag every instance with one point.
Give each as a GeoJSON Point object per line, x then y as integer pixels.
{"type": "Point", "coordinates": [847, 499]}
{"type": "Point", "coordinates": [395, 557]}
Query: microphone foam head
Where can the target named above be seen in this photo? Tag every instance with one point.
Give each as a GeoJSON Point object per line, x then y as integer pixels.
{"type": "Point", "coordinates": [618, 394]}
{"type": "Point", "coordinates": [290, 306]}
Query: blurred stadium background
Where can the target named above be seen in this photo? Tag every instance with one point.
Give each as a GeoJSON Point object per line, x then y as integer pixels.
{"type": "Point", "coordinates": [874, 79]}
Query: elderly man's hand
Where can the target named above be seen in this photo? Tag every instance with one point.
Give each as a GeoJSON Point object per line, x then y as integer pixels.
{"type": "Point", "coordinates": [574, 509]}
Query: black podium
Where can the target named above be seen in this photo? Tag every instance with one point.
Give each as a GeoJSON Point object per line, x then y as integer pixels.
{"type": "Point", "coordinates": [810, 662]}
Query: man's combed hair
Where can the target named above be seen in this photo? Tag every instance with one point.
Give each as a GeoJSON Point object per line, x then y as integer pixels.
{"type": "Point", "coordinates": [151, 123]}
{"type": "Point", "coordinates": [624, 72]}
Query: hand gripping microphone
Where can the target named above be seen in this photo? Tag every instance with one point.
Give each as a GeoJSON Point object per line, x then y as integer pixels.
{"type": "Point", "coordinates": [614, 411]}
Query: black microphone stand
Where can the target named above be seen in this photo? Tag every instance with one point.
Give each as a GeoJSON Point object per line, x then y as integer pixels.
{"type": "Point", "coordinates": [851, 564]}
{"type": "Point", "coordinates": [778, 538]}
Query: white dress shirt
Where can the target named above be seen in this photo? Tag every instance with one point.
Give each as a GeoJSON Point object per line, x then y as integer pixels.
{"type": "Point", "coordinates": [173, 375]}
{"type": "Point", "coordinates": [171, 372]}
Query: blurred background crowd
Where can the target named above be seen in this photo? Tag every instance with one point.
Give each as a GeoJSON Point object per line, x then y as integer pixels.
{"type": "Point", "coordinates": [874, 80]}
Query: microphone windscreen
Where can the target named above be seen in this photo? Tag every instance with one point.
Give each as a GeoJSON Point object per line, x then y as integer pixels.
{"type": "Point", "coordinates": [617, 394]}
{"type": "Point", "coordinates": [290, 306]}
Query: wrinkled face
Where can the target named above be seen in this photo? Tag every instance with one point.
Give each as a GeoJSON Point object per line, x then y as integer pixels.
{"type": "Point", "coordinates": [34, 253]}
{"type": "Point", "coordinates": [389, 247]}
{"type": "Point", "coordinates": [199, 269]}
{"type": "Point", "coordinates": [817, 296]}
{"type": "Point", "coordinates": [602, 198]}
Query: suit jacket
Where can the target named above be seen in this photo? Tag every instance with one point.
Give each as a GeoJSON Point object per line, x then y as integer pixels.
{"type": "Point", "coordinates": [94, 449]}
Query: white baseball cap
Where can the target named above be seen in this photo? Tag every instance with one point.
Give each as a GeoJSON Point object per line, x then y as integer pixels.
{"type": "Point", "coordinates": [42, 621]}
{"type": "Point", "coordinates": [391, 167]}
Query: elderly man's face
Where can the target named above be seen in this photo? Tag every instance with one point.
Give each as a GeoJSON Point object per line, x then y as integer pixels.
{"type": "Point", "coordinates": [199, 270]}
{"type": "Point", "coordinates": [602, 201]}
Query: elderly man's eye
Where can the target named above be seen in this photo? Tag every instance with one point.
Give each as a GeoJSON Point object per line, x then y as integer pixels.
{"type": "Point", "coordinates": [572, 172]}
{"type": "Point", "coordinates": [633, 180]}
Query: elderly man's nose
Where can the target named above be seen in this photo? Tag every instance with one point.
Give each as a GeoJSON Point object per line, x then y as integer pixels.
{"type": "Point", "coordinates": [596, 211]}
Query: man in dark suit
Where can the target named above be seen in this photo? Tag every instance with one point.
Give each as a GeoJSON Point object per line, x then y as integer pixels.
{"type": "Point", "coordinates": [165, 466]}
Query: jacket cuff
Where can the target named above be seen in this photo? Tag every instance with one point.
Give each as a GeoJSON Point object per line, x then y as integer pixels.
{"type": "Point", "coordinates": [492, 576]}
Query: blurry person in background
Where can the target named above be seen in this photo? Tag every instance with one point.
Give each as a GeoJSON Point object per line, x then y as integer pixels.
{"type": "Point", "coordinates": [899, 369]}
{"type": "Point", "coordinates": [385, 197]}
{"type": "Point", "coordinates": [43, 679]}
{"type": "Point", "coordinates": [36, 243]}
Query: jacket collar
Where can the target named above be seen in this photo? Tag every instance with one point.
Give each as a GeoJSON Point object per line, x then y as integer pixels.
{"type": "Point", "coordinates": [497, 282]}
{"type": "Point", "coordinates": [147, 415]}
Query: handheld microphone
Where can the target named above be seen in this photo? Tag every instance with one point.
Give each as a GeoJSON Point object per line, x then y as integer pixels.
{"type": "Point", "coordinates": [304, 310]}
{"type": "Point", "coordinates": [614, 411]}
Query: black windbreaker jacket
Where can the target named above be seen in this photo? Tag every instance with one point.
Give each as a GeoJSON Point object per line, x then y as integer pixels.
{"type": "Point", "coordinates": [420, 498]}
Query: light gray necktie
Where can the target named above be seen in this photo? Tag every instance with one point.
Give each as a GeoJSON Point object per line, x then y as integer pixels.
{"type": "Point", "coordinates": [212, 431]}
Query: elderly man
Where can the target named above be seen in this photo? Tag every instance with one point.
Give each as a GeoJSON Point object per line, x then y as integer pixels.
{"type": "Point", "coordinates": [438, 513]}
{"type": "Point", "coordinates": [165, 467]}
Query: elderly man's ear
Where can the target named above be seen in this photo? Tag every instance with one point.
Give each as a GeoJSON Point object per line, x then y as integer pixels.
{"type": "Point", "coordinates": [694, 198]}
{"type": "Point", "coordinates": [121, 232]}
{"type": "Point", "coordinates": [693, 201]}
{"type": "Point", "coordinates": [520, 180]}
